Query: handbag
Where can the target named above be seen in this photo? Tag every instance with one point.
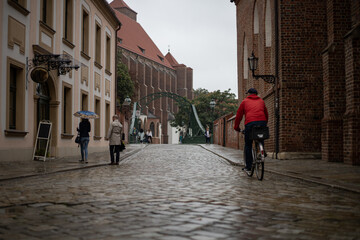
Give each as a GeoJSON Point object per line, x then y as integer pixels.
{"type": "Point", "coordinates": [77, 139]}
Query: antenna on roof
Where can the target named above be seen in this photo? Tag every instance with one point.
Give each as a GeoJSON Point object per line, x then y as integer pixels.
{"type": "Point", "coordinates": [168, 48]}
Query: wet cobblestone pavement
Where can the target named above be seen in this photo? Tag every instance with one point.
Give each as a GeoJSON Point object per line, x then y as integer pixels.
{"type": "Point", "coordinates": [174, 192]}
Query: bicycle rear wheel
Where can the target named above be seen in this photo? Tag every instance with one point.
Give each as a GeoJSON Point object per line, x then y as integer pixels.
{"type": "Point", "coordinates": [249, 173]}
{"type": "Point", "coordinates": [259, 161]}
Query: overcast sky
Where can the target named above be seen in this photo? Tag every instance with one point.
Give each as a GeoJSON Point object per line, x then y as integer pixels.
{"type": "Point", "coordinates": [201, 34]}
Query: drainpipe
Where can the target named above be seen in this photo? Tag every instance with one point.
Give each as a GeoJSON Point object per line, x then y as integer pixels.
{"type": "Point", "coordinates": [116, 64]}
{"type": "Point", "coordinates": [277, 107]}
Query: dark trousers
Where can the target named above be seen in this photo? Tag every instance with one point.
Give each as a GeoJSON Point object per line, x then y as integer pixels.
{"type": "Point", "coordinates": [248, 142]}
{"type": "Point", "coordinates": [117, 151]}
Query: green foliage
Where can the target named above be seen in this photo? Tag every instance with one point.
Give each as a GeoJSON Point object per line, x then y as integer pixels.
{"type": "Point", "coordinates": [182, 117]}
{"type": "Point", "coordinates": [125, 86]}
{"type": "Point", "coordinates": [225, 104]}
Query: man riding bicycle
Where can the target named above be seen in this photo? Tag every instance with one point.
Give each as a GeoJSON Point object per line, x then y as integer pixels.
{"type": "Point", "coordinates": [256, 114]}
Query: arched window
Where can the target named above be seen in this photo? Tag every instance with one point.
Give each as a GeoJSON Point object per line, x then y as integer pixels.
{"type": "Point", "coordinates": [256, 19]}
{"type": "Point", "coordinates": [152, 128]}
{"type": "Point", "coordinates": [268, 25]}
{"type": "Point", "coordinates": [245, 60]}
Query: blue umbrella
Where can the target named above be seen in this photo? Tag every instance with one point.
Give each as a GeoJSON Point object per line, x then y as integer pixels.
{"type": "Point", "coordinates": [86, 114]}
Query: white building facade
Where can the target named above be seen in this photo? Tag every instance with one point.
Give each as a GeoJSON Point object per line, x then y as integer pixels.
{"type": "Point", "coordinates": [82, 31]}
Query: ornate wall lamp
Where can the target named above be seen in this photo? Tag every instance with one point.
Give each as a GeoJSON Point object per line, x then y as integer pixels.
{"type": "Point", "coordinates": [253, 64]}
{"type": "Point", "coordinates": [40, 66]}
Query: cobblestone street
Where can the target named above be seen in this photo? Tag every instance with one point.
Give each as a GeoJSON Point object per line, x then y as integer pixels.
{"type": "Point", "coordinates": [174, 192]}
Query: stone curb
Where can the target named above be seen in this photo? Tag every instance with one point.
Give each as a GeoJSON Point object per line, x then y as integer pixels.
{"type": "Point", "coordinates": [303, 178]}
{"type": "Point", "coordinates": [125, 156]}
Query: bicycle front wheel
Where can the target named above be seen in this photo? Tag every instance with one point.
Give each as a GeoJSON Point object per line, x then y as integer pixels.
{"type": "Point", "coordinates": [259, 161]}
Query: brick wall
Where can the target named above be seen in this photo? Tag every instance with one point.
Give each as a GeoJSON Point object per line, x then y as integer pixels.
{"type": "Point", "coordinates": [318, 74]}
{"type": "Point", "coordinates": [266, 65]}
{"type": "Point", "coordinates": [149, 78]}
{"type": "Point", "coordinates": [302, 38]}
{"type": "Point", "coordinates": [352, 75]}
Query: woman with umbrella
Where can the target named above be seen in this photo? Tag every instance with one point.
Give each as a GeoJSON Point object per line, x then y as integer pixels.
{"type": "Point", "coordinates": [84, 129]}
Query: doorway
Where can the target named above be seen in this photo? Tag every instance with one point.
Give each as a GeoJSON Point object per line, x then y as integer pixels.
{"type": "Point", "coordinates": [43, 112]}
{"type": "Point", "coordinates": [43, 106]}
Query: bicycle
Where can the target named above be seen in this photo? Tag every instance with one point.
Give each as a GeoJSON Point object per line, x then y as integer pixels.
{"type": "Point", "coordinates": [258, 134]}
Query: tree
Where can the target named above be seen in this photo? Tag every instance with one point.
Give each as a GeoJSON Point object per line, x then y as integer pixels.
{"type": "Point", "coordinates": [125, 86]}
{"type": "Point", "coordinates": [225, 104]}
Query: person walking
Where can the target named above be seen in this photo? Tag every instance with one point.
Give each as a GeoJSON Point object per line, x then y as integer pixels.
{"type": "Point", "coordinates": [141, 135]}
{"type": "Point", "coordinates": [114, 138]}
{"type": "Point", "coordinates": [135, 134]}
{"type": "Point", "coordinates": [149, 135]}
{"type": "Point", "coordinates": [255, 111]}
{"type": "Point", "coordinates": [84, 129]}
{"type": "Point", "coordinates": [207, 135]}
{"type": "Point", "coordinates": [181, 137]}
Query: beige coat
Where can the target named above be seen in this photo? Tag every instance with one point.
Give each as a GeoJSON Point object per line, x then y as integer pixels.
{"type": "Point", "coordinates": [114, 133]}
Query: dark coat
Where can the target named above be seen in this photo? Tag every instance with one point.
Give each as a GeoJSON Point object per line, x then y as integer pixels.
{"type": "Point", "coordinates": [84, 128]}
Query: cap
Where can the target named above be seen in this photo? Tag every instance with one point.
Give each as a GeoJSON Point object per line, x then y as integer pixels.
{"type": "Point", "coordinates": [252, 91]}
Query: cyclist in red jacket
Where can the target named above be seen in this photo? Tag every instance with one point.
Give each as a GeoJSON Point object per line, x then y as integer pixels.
{"type": "Point", "coordinates": [255, 111]}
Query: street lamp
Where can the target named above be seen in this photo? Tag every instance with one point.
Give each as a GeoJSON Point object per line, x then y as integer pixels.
{"type": "Point", "coordinates": [127, 101]}
{"type": "Point", "coordinates": [125, 109]}
{"type": "Point", "coordinates": [253, 64]}
{"type": "Point", "coordinates": [212, 104]}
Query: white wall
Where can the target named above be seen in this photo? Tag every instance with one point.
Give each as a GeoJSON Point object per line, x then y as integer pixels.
{"type": "Point", "coordinates": [174, 134]}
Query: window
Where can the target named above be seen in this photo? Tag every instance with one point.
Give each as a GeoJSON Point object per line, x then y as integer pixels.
{"type": "Point", "coordinates": [256, 19]}
{"type": "Point", "coordinates": [67, 111]}
{"type": "Point", "coordinates": [20, 2]}
{"type": "Point", "coordinates": [97, 44]}
{"type": "Point", "coordinates": [15, 96]}
{"type": "Point", "coordinates": [97, 121]}
{"type": "Point", "coordinates": [84, 101]}
{"type": "Point", "coordinates": [142, 49]}
{"type": "Point", "coordinates": [85, 33]}
{"type": "Point", "coordinates": [19, 5]}
{"type": "Point", "coordinates": [107, 116]}
{"type": "Point", "coordinates": [12, 105]}
{"type": "Point", "coordinates": [108, 53]}
{"type": "Point", "coordinates": [245, 60]}
{"type": "Point", "coordinates": [152, 128]}
{"type": "Point", "coordinates": [68, 20]}
{"type": "Point", "coordinates": [268, 24]}
{"type": "Point", "coordinates": [161, 58]}
{"type": "Point", "coordinates": [47, 12]}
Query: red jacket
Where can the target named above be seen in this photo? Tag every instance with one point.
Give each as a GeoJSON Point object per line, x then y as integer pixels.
{"type": "Point", "coordinates": [254, 109]}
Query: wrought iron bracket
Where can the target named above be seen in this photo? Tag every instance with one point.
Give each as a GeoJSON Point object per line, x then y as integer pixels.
{"type": "Point", "coordinates": [266, 78]}
{"type": "Point", "coordinates": [63, 63]}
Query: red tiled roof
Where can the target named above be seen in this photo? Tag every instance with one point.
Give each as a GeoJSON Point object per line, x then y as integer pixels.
{"type": "Point", "coordinates": [171, 59]}
{"type": "Point", "coordinates": [134, 38]}
{"type": "Point", "coordinates": [119, 4]}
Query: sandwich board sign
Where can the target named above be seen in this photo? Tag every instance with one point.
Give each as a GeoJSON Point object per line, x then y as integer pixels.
{"type": "Point", "coordinates": [42, 140]}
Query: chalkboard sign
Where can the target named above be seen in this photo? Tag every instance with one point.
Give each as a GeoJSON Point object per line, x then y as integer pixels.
{"type": "Point", "coordinates": [44, 129]}
{"type": "Point", "coordinates": [42, 141]}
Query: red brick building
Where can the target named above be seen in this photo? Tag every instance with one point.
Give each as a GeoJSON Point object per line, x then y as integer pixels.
{"type": "Point", "coordinates": [312, 47]}
{"type": "Point", "coordinates": [151, 71]}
